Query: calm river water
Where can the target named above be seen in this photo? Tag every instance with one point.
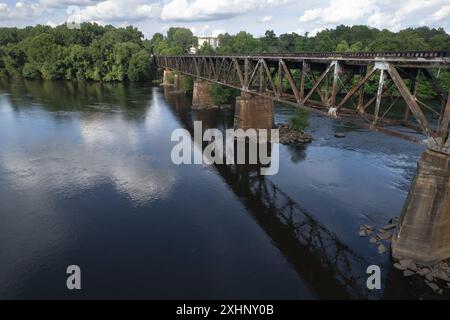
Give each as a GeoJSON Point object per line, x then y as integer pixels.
{"type": "Point", "coordinates": [86, 179]}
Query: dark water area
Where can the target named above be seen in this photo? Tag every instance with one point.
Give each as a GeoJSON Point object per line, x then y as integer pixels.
{"type": "Point", "coordinates": [86, 178]}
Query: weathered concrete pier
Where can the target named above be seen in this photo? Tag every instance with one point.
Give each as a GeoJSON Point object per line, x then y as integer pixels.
{"type": "Point", "coordinates": [201, 96]}
{"type": "Point", "coordinates": [322, 82]}
{"type": "Point", "coordinates": [423, 233]}
{"type": "Point", "coordinates": [167, 75]}
{"type": "Point", "coordinates": [253, 112]}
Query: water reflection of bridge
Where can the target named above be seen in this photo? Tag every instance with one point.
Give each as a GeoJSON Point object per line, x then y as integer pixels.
{"type": "Point", "coordinates": [328, 266]}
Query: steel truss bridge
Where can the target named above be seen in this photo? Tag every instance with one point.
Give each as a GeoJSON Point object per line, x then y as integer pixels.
{"type": "Point", "coordinates": [335, 84]}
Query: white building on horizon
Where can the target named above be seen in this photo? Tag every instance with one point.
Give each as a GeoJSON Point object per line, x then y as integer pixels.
{"type": "Point", "coordinates": [212, 41]}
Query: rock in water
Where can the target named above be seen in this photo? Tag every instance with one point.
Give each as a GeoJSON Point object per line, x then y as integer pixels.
{"type": "Point", "coordinates": [390, 226]}
{"type": "Point", "coordinates": [423, 272]}
{"type": "Point", "coordinates": [373, 240]}
{"type": "Point", "coordinates": [433, 286]}
{"type": "Point", "coordinates": [385, 236]}
{"type": "Point", "coordinates": [339, 135]}
{"type": "Point", "coordinates": [291, 136]}
{"type": "Point", "coordinates": [399, 266]}
{"type": "Point", "coordinates": [381, 249]}
{"type": "Point", "coordinates": [408, 273]}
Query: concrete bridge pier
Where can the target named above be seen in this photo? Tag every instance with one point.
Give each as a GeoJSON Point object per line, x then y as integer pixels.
{"type": "Point", "coordinates": [167, 75]}
{"type": "Point", "coordinates": [201, 97]}
{"type": "Point", "coordinates": [423, 233]}
{"type": "Point", "coordinates": [253, 112]}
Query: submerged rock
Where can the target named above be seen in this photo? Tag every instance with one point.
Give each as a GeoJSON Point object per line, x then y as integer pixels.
{"type": "Point", "coordinates": [381, 249]}
{"type": "Point", "coordinates": [434, 287]}
{"type": "Point", "coordinates": [408, 273]}
{"type": "Point", "coordinates": [385, 235]}
{"type": "Point", "coordinates": [390, 226]}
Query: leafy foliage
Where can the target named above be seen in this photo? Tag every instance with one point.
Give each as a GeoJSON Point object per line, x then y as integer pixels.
{"type": "Point", "coordinates": [188, 84]}
{"type": "Point", "coordinates": [177, 41]}
{"type": "Point", "coordinates": [93, 52]}
{"type": "Point", "coordinates": [299, 119]}
{"type": "Point", "coordinates": [222, 95]}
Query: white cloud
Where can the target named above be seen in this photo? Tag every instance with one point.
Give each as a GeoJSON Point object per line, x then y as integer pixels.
{"type": "Point", "coordinates": [64, 3]}
{"type": "Point", "coordinates": [152, 15]}
{"type": "Point", "coordinates": [442, 13]}
{"type": "Point", "coordinates": [20, 11]}
{"type": "Point", "coordinates": [200, 30]}
{"type": "Point", "coordinates": [3, 7]}
{"type": "Point", "coordinates": [377, 13]}
{"type": "Point", "coordinates": [117, 11]}
{"type": "Point", "coordinates": [266, 19]}
{"type": "Point", "coordinates": [339, 11]}
{"type": "Point", "coordinates": [217, 32]}
{"type": "Point", "coordinates": [204, 10]}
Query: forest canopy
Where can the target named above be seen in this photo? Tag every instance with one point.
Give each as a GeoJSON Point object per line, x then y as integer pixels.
{"type": "Point", "coordinates": [93, 52]}
{"type": "Point", "coordinates": [107, 53]}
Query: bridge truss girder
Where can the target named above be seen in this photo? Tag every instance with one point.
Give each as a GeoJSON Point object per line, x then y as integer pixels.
{"type": "Point", "coordinates": [318, 85]}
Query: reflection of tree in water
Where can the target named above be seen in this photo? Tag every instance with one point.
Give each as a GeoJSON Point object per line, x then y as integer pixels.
{"type": "Point", "coordinates": [131, 99]}
{"type": "Point", "coordinates": [298, 153]}
{"type": "Point", "coordinates": [326, 264]}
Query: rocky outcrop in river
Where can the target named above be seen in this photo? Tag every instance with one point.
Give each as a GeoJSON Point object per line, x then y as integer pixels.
{"type": "Point", "coordinates": [292, 136]}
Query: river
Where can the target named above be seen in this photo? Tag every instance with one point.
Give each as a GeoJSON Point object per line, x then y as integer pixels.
{"type": "Point", "coordinates": [86, 179]}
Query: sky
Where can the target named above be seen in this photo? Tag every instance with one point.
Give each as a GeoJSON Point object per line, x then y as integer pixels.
{"type": "Point", "coordinates": [212, 17]}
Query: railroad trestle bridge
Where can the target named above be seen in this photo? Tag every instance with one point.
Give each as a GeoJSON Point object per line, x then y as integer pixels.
{"type": "Point", "coordinates": [336, 85]}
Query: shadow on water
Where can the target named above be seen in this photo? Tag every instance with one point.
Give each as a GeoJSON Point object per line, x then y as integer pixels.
{"type": "Point", "coordinates": [328, 266]}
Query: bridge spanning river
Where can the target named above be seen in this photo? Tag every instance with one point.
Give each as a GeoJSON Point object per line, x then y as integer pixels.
{"type": "Point", "coordinates": [336, 81]}
{"type": "Point", "coordinates": [336, 85]}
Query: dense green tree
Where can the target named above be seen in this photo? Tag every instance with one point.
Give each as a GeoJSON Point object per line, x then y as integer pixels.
{"type": "Point", "coordinates": [140, 64]}
{"type": "Point", "coordinates": [270, 42]}
{"type": "Point", "coordinates": [92, 52]}
{"type": "Point", "coordinates": [206, 48]}
{"type": "Point", "coordinates": [343, 46]}
{"type": "Point", "coordinates": [181, 38]}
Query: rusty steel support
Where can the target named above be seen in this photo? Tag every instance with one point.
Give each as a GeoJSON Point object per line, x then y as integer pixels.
{"type": "Point", "coordinates": [374, 99]}
{"type": "Point", "coordinates": [305, 68]}
{"type": "Point", "coordinates": [379, 93]}
{"type": "Point", "coordinates": [356, 88]}
{"type": "Point", "coordinates": [444, 123]}
{"type": "Point", "coordinates": [291, 81]}
{"type": "Point", "coordinates": [334, 88]}
{"type": "Point", "coordinates": [360, 106]}
{"type": "Point", "coordinates": [412, 104]}
{"type": "Point", "coordinates": [318, 82]}
{"type": "Point", "coordinates": [412, 88]}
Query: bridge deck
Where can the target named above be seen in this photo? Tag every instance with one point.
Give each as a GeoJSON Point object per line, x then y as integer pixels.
{"type": "Point", "coordinates": [420, 59]}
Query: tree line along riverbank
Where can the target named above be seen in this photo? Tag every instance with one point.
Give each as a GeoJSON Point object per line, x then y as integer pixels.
{"type": "Point", "coordinates": [106, 53]}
